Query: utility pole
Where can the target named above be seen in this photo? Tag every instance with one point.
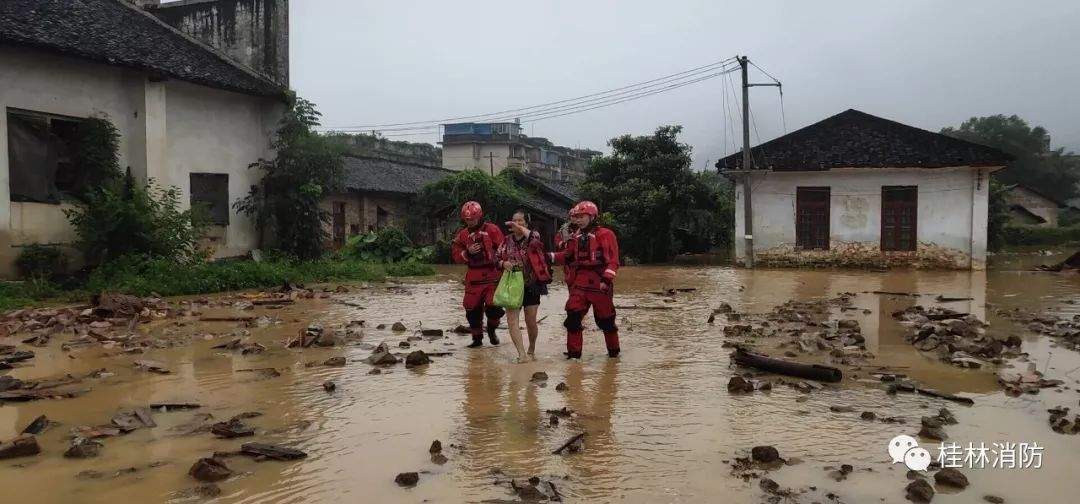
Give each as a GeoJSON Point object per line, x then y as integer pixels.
{"type": "Point", "coordinates": [491, 162]}
{"type": "Point", "coordinates": [748, 214]}
{"type": "Point", "coordinates": [748, 163]}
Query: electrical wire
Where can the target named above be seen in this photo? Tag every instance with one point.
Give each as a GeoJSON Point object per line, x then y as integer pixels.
{"type": "Point", "coordinates": [631, 88]}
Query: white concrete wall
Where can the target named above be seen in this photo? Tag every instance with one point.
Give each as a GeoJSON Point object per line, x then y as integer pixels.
{"type": "Point", "coordinates": [167, 130]}
{"type": "Point", "coordinates": [952, 207]}
{"type": "Point", "coordinates": [461, 157]}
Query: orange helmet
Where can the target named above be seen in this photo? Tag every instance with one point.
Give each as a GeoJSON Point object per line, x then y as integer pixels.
{"type": "Point", "coordinates": [471, 210]}
{"type": "Point", "coordinates": [585, 207]}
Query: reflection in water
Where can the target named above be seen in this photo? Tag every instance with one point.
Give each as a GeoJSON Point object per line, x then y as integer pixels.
{"type": "Point", "coordinates": [660, 423]}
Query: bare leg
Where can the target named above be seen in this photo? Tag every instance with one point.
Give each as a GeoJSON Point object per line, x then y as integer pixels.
{"type": "Point", "coordinates": [531, 326]}
{"type": "Point", "coordinates": [515, 331]}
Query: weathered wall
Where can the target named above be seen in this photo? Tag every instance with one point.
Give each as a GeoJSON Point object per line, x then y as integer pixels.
{"type": "Point", "coordinates": [362, 210]}
{"type": "Point", "coordinates": [167, 130]}
{"type": "Point", "coordinates": [253, 32]}
{"type": "Point", "coordinates": [1035, 204]}
{"type": "Point", "coordinates": [951, 226]}
{"type": "Point", "coordinates": [460, 157]}
{"type": "Point", "coordinates": [215, 131]}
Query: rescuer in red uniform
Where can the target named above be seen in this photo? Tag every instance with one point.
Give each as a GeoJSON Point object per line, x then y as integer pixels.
{"type": "Point", "coordinates": [591, 256]}
{"type": "Point", "coordinates": [476, 245]}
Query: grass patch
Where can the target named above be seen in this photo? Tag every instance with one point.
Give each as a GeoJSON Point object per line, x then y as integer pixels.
{"type": "Point", "coordinates": [141, 277]}
{"type": "Point", "coordinates": [1014, 235]}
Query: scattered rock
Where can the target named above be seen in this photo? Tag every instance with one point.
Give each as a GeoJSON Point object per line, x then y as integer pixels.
{"type": "Point", "coordinates": [919, 491]}
{"type": "Point", "coordinates": [739, 385]}
{"type": "Point", "coordinates": [335, 361]}
{"type": "Point", "coordinates": [417, 358]}
{"type": "Point", "coordinates": [209, 470]}
{"type": "Point", "coordinates": [22, 446]}
{"type": "Point", "coordinates": [233, 428]}
{"type": "Point", "coordinates": [841, 409]}
{"type": "Point", "coordinates": [868, 415]}
{"type": "Point", "coordinates": [539, 376]}
{"type": "Point", "coordinates": [276, 452]}
{"type": "Point", "coordinates": [768, 485]}
{"type": "Point", "coordinates": [946, 416]}
{"type": "Point", "coordinates": [993, 499]}
{"type": "Point", "coordinates": [407, 479]}
{"type": "Point", "coordinates": [765, 454]}
{"type": "Point", "coordinates": [399, 327]}
{"type": "Point", "coordinates": [381, 356]}
{"type": "Point", "coordinates": [152, 366]}
{"type": "Point", "coordinates": [431, 332]}
{"type": "Point", "coordinates": [935, 433]}
{"type": "Point", "coordinates": [375, 371]}
{"type": "Point", "coordinates": [83, 448]}
{"type": "Point", "coordinates": [404, 344]}
{"type": "Point", "coordinates": [329, 386]}
{"type": "Point", "coordinates": [438, 458]}
{"type": "Point", "coordinates": [436, 447]}
{"type": "Point", "coordinates": [561, 387]}
{"type": "Point", "coordinates": [951, 477]}
{"type": "Point", "coordinates": [37, 426]}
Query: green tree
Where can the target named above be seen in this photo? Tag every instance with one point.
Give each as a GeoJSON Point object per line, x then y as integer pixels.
{"type": "Point", "coordinates": [651, 197]}
{"type": "Point", "coordinates": [306, 167]}
{"type": "Point", "coordinates": [1052, 172]}
{"type": "Point", "coordinates": [441, 201]}
{"type": "Point", "coordinates": [997, 215]}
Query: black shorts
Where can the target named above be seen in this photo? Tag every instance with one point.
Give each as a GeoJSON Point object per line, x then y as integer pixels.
{"type": "Point", "coordinates": [533, 293]}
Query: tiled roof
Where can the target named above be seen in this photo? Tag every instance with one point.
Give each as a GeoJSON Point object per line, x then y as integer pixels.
{"type": "Point", "coordinates": [854, 139]}
{"type": "Point", "coordinates": [381, 175]}
{"type": "Point", "coordinates": [117, 33]}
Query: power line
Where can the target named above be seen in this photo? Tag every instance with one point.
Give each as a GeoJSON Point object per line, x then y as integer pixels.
{"type": "Point", "coordinates": [603, 95]}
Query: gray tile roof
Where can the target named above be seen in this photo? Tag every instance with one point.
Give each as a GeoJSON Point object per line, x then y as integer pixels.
{"type": "Point", "coordinates": [854, 139]}
{"type": "Point", "coordinates": [117, 33]}
{"type": "Point", "coordinates": [382, 175]}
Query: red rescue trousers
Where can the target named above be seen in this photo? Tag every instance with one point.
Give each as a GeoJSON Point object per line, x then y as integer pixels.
{"type": "Point", "coordinates": [603, 306]}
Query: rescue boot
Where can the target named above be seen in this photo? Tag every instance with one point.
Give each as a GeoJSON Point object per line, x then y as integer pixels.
{"type": "Point", "coordinates": [492, 337]}
{"type": "Point", "coordinates": [572, 355]}
{"type": "Point", "coordinates": [477, 342]}
{"type": "Point", "coordinates": [613, 352]}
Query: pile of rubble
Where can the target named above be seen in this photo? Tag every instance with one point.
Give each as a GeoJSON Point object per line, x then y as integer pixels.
{"type": "Point", "coordinates": [1065, 330]}
{"type": "Point", "coordinates": [957, 338]}
{"type": "Point", "coordinates": [806, 327]}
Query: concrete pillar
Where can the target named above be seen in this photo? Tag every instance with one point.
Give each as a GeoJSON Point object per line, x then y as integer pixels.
{"type": "Point", "coordinates": [740, 242]}
{"type": "Point", "coordinates": [153, 114]}
{"type": "Point", "coordinates": [5, 188]}
{"type": "Point", "coordinates": [980, 209]}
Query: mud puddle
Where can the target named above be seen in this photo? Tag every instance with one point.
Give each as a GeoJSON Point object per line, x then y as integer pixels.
{"type": "Point", "coordinates": [660, 424]}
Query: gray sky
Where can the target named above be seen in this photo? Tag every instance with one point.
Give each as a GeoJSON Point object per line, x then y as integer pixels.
{"type": "Point", "coordinates": [925, 63]}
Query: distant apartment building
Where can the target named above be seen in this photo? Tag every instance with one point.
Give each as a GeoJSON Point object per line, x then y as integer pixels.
{"type": "Point", "coordinates": [493, 147]}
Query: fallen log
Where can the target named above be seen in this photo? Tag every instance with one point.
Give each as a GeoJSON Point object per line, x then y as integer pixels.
{"type": "Point", "coordinates": [568, 443]}
{"type": "Point", "coordinates": [947, 299]}
{"type": "Point", "coordinates": [264, 302]}
{"type": "Point", "coordinates": [639, 307]}
{"type": "Point", "coordinates": [276, 452]}
{"type": "Point", "coordinates": [888, 293]}
{"type": "Point", "coordinates": [809, 371]}
{"type": "Point", "coordinates": [945, 316]}
{"type": "Point", "coordinates": [240, 318]}
{"type": "Point", "coordinates": [933, 393]}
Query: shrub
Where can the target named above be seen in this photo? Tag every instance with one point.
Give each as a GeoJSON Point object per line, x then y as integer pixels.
{"type": "Point", "coordinates": [132, 220]}
{"type": "Point", "coordinates": [388, 244]}
{"type": "Point", "coordinates": [41, 262]}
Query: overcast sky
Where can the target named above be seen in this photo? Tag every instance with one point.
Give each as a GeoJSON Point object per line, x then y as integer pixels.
{"type": "Point", "coordinates": [927, 63]}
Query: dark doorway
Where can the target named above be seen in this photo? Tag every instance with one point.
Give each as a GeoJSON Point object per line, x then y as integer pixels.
{"type": "Point", "coordinates": [812, 217]}
{"type": "Point", "coordinates": [339, 224]}
{"type": "Point", "coordinates": [899, 217]}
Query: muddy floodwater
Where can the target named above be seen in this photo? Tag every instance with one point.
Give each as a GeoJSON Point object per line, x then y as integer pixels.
{"type": "Point", "coordinates": [660, 423]}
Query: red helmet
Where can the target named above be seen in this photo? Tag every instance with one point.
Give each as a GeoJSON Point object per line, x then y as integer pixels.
{"type": "Point", "coordinates": [585, 207]}
{"type": "Point", "coordinates": [471, 210]}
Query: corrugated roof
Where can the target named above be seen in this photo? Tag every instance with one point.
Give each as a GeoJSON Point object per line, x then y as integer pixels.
{"type": "Point", "coordinates": [854, 139]}
{"type": "Point", "coordinates": [117, 33]}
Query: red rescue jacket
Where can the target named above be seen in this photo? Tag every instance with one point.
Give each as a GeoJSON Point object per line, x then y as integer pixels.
{"type": "Point", "coordinates": [591, 256]}
{"type": "Point", "coordinates": [483, 266]}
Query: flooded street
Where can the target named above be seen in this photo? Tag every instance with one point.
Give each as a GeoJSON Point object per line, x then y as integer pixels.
{"type": "Point", "coordinates": [660, 423]}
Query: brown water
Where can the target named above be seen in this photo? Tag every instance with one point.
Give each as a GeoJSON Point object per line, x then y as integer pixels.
{"type": "Point", "coordinates": [661, 425]}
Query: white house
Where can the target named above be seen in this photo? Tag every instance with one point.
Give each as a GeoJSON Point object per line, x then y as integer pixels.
{"type": "Point", "coordinates": [188, 115]}
{"type": "Point", "coordinates": [862, 191]}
